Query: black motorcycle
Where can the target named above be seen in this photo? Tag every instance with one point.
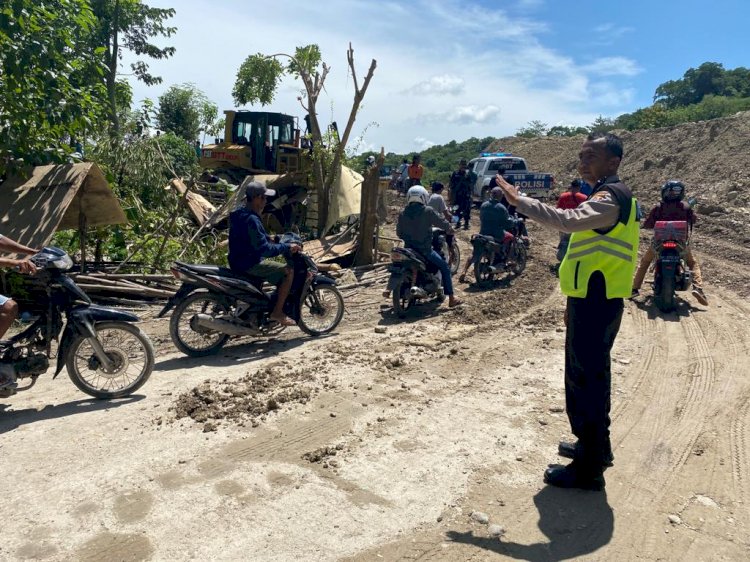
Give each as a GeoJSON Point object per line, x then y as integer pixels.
{"type": "Point", "coordinates": [450, 253]}
{"type": "Point", "coordinates": [215, 303]}
{"type": "Point", "coordinates": [413, 278]}
{"type": "Point", "coordinates": [106, 355]}
{"type": "Point", "coordinates": [490, 258]}
{"type": "Point", "coordinates": [671, 272]}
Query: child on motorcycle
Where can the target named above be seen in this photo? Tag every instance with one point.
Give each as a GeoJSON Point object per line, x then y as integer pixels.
{"type": "Point", "coordinates": [671, 208]}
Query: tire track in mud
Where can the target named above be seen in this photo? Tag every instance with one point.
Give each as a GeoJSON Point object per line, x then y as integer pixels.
{"type": "Point", "coordinates": [703, 401]}
{"type": "Point", "coordinates": [739, 446]}
{"type": "Point", "coordinates": [736, 339]}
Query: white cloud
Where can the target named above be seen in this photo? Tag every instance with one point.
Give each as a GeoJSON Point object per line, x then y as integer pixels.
{"type": "Point", "coordinates": [445, 84]}
{"type": "Point", "coordinates": [613, 66]}
{"type": "Point", "coordinates": [463, 115]}
{"type": "Point", "coordinates": [483, 60]}
{"type": "Point", "coordinates": [422, 143]}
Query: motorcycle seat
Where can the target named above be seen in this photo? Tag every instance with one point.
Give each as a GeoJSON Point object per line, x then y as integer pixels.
{"type": "Point", "coordinates": [223, 272]}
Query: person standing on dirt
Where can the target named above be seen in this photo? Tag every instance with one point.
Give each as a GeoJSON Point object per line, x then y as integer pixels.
{"type": "Point", "coordinates": [461, 186]}
{"type": "Point", "coordinates": [403, 178]}
{"type": "Point", "coordinates": [414, 227]}
{"type": "Point", "coordinates": [415, 171]}
{"type": "Point", "coordinates": [494, 221]}
{"type": "Point", "coordinates": [671, 208]}
{"type": "Point", "coordinates": [594, 275]}
{"type": "Point", "coordinates": [568, 200]}
{"type": "Point", "coordinates": [250, 246]}
{"type": "Point", "coordinates": [9, 307]}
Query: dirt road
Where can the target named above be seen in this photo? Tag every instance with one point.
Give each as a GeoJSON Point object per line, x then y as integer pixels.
{"type": "Point", "coordinates": [396, 440]}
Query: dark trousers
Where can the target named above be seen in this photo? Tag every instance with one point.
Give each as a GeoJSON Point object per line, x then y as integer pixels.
{"type": "Point", "coordinates": [464, 210]}
{"type": "Point", "coordinates": [592, 326]}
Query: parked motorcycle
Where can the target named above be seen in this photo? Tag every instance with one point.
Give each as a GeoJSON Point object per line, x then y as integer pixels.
{"type": "Point", "coordinates": [671, 272]}
{"type": "Point", "coordinates": [106, 355]}
{"type": "Point", "coordinates": [413, 278]}
{"type": "Point", "coordinates": [215, 303]}
{"type": "Point", "coordinates": [490, 258]}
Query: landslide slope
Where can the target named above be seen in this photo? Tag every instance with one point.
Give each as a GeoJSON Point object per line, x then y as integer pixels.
{"type": "Point", "coordinates": [711, 157]}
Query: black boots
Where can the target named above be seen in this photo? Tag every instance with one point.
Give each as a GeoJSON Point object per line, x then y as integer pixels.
{"type": "Point", "coordinates": [574, 476]}
{"type": "Point", "coordinates": [568, 450]}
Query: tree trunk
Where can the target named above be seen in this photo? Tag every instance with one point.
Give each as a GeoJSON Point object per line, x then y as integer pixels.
{"type": "Point", "coordinates": [368, 217]}
{"type": "Point", "coordinates": [112, 71]}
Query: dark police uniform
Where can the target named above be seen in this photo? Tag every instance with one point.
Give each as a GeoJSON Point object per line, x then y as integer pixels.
{"type": "Point", "coordinates": [595, 275]}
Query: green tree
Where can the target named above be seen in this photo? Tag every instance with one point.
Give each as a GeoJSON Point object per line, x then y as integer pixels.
{"type": "Point", "coordinates": [257, 81]}
{"type": "Point", "coordinates": [602, 125]}
{"type": "Point", "coordinates": [566, 131]}
{"type": "Point", "coordinates": [49, 93]}
{"type": "Point", "coordinates": [533, 129]}
{"type": "Point", "coordinates": [186, 111]}
{"type": "Point", "coordinates": [129, 25]}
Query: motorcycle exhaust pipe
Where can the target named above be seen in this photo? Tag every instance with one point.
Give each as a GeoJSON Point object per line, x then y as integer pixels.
{"type": "Point", "coordinates": [418, 293]}
{"type": "Point", "coordinates": [218, 325]}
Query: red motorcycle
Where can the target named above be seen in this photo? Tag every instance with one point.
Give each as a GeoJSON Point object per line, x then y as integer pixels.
{"type": "Point", "coordinates": [671, 271]}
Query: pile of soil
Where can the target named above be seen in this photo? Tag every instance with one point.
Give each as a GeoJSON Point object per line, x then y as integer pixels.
{"type": "Point", "coordinates": [711, 157]}
{"type": "Point", "coordinates": [246, 400]}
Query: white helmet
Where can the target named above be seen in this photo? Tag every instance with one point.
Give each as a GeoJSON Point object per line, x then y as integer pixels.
{"type": "Point", "coordinates": [417, 194]}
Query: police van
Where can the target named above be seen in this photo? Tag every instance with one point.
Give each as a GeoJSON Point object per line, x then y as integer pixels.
{"type": "Point", "coordinates": [488, 164]}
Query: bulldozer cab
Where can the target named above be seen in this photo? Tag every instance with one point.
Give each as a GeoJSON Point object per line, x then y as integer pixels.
{"type": "Point", "coordinates": [264, 132]}
{"type": "Point", "coordinates": [255, 141]}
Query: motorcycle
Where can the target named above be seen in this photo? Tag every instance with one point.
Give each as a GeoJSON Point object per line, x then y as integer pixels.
{"type": "Point", "coordinates": [671, 272]}
{"type": "Point", "coordinates": [451, 253]}
{"type": "Point", "coordinates": [215, 303]}
{"type": "Point", "coordinates": [413, 278]}
{"type": "Point", "coordinates": [490, 258]}
{"type": "Point", "coordinates": [105, 354]}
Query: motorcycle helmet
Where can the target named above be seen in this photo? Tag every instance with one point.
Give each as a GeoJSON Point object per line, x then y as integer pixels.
{"type": "Point", "coordinates": [370, 160]}
{"type": "Point", "coordinates": [673, 190]}
{"type": "Point", "coordinates": [417, 194]}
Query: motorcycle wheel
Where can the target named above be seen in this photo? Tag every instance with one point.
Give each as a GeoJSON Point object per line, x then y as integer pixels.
{"type": "Point", "coordinates": [482, 272]}
{"type": "Point", "coordinates": [126, 346]}
{"type": "Point", "coordinates": [190, 341]}
{"type": "Point", "coordinates": [664, 296]}
{"type": "Point", "coordinates": [455, 256]}
{"type": "Point", "coordinates": [519, 256]}
{"type": "Point", "coordinates": [321, 310]}
{"type": "Point", "coordinates": [402, 299]}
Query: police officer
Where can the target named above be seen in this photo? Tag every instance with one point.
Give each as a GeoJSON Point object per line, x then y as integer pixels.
{"type": "Point", "coordinates": [595, 276]}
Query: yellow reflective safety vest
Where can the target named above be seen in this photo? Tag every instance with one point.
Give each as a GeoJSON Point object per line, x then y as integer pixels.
{"type": "Point", "coordinates": [614, 253]}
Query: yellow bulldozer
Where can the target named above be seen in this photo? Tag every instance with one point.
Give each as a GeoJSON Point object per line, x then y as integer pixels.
{"type": "Point", "coordinates": [255, 142]}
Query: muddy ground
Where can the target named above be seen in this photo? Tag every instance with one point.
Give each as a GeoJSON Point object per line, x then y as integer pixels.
{"type": "Point", "coordinates": [425, 442]}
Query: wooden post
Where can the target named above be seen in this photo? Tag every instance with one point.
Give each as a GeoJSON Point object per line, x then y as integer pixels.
{"type": "Point", "coordinates": [368, 216]}
{"type": "Point", "coordinates": [82, 225]}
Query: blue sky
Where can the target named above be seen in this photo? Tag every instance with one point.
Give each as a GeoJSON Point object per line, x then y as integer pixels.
{"type": "Point", "coordinates": [449, 69]}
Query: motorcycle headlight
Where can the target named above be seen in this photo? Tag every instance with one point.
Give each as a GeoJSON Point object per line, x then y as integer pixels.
{"type": "Point", "coordinates": [62, 263]}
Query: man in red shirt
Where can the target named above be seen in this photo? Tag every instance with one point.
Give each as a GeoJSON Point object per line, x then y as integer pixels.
{"type": "Point", "coordinates": [671, 208]}
{"type": "Point", "coordinates": [569, 200]}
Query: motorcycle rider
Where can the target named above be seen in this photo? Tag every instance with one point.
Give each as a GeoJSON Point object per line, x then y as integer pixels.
{"type": "Point", "coordinates": [250, 245]}
{"type": "Point", "coordinates": [414, 227]}
{"type": "Point", "coordinates": [437, 202]}
{"type": "Point", "coordinates": [9, 307]}
{"type": "Point", "coordinates": [568, 200]}
{"type": "Point", "coordinates": [494, 221]}
{"type": "Point", "coordinates": [671, 208]}
{"type": "Point", "coordinates": [461, 186]}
